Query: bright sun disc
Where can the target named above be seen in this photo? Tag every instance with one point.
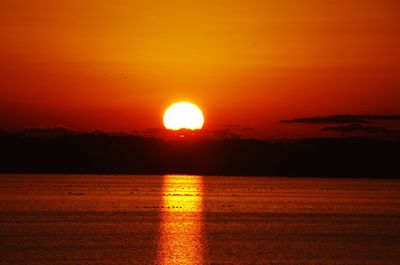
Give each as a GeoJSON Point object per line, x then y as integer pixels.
{"type": "Point", "coordinates": [183, 115]}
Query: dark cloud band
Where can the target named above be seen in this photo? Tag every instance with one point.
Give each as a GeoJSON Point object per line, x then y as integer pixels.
{"type": "Point", "coordinates": [343, 119]}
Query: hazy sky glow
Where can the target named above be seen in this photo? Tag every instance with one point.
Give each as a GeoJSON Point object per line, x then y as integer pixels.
{"type": "Point", "coordinates": [116, 65]}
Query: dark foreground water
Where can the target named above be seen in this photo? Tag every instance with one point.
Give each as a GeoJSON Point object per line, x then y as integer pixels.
{"type": "Point", "coordinates": [97, 219]}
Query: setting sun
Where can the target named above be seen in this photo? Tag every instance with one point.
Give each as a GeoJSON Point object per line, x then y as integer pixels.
{"type": "Point", "coordinates": [183, 115]}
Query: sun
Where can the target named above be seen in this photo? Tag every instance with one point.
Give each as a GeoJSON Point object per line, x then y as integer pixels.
{"type": "Point", "coordinates": [183, 115]}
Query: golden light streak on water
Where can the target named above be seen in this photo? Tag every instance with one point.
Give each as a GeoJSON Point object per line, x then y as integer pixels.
{"type": "Point", "coordinates": [181, 238]}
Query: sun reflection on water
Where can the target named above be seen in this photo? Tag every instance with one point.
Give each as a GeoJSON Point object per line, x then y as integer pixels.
{"type": "Point", "coordinates": [181, 228]}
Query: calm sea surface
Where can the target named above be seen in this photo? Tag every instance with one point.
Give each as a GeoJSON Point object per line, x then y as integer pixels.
{"type": "Point", "coordinates": [123, 219]}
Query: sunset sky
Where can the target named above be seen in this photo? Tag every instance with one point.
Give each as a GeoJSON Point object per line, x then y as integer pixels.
{"type": "Point", "coordinates": [117, 65]}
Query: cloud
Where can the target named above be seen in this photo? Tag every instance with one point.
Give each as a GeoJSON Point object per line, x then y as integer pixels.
{"type": "Point", "coordinates": [343, 119]}
{"type": "Point", "coordinates": [228, 131]}
{"type": "Point", "coordinates": [154, 131]}
{"type": "Point", "coordinates": [237, 127]}
{"type": "Point", "coordinates": [356, 127]}
{"type": "Point", "coordinates": [224, 133]}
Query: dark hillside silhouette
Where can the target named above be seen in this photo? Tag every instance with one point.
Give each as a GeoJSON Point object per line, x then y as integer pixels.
{"type": "Point", "coordinates": [105, 153]}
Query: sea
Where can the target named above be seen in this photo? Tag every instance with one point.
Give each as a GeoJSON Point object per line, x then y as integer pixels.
{"type": "Point", "coordinates": [186, 219]}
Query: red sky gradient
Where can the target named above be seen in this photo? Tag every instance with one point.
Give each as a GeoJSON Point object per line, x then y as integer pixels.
{"type": "Point", "coordinates": [116, 65]}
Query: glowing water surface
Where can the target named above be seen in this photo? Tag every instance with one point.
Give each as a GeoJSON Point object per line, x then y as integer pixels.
{"type": "Point", "coordinates": [141, 219]}
{"type": "Point", "coordinates": [182, 225]}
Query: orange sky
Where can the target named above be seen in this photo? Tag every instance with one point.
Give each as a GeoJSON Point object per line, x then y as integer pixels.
{"type": "Point", "coordinates": [116, 65]}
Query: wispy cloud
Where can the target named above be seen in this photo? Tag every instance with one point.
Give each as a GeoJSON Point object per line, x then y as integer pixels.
{"type": "Point", "coordinates": [343, 119]}
{"type": "Point", "coordinates": [356, 127]}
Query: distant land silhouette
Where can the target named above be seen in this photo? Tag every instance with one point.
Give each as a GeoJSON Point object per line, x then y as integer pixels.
{"type": "Point", "coordinates": [63, 151]}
